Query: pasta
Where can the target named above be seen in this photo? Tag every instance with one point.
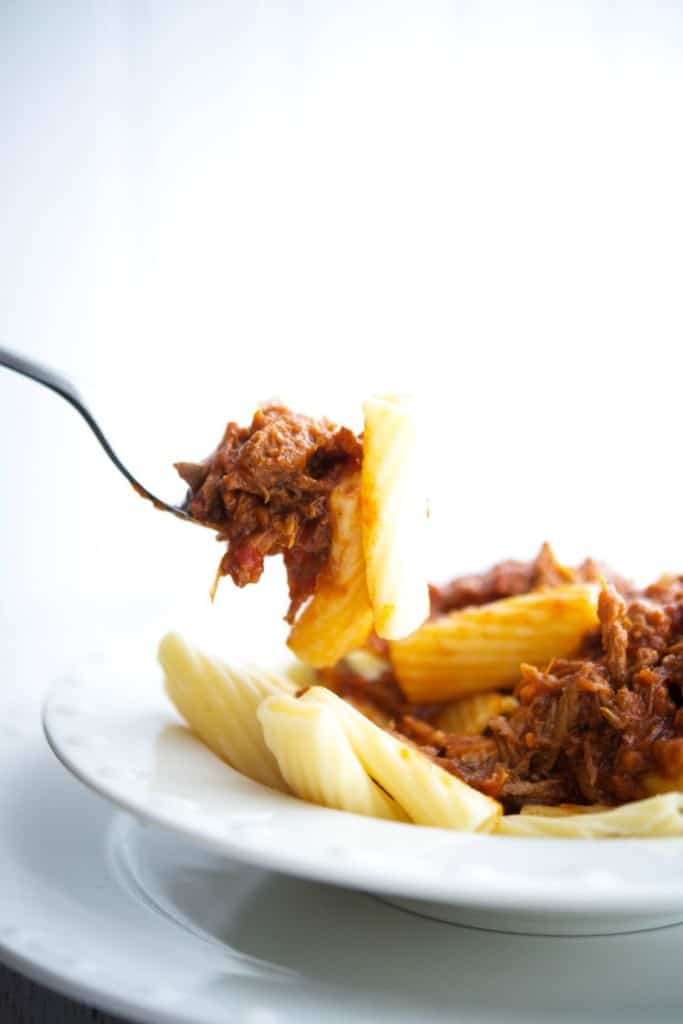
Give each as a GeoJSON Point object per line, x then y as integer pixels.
{"type": "Point", "coordinates": [427, 793]}
{"type": "Point", "coordinates": [394, 517]}
{"type": "Point", "coordinates": [325, 751]}
{"type": "Point", "coordinates": [318, 745]}
{"type": "Point", "coordinates": [479, 649]}
{"type": "Point", "coordinates": [317, 760]}
{"type": "Point", "coordinates": [469, 716]}
{"type": "Point", "coordinates": [338, 617]}
{"type": "Point", "coordinates": [366, 664]}
{"type": "Point", "coordinates": [219, 704]}
{"type": "Point", "coordinates": [563, 810]}
{"type": "Point", "coordinates": [654, 816]}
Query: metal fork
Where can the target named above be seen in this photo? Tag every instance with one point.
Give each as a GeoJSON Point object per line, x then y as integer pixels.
{"type": "Point", "coordinates": [67, 390]}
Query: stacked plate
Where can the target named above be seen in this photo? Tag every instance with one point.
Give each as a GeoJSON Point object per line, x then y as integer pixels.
{"type": "Point", "coordinates": [180, 891]}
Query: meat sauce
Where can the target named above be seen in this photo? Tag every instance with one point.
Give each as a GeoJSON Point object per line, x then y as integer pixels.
{"type": "Point", "coordinates": [586, 730]}
{"type": "Point", "coordinates": [265, 491]}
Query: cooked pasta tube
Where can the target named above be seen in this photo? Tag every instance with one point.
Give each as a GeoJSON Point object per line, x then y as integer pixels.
{"type": "Point", "coordinates": [219, 704]}
{"type": "Point", "coordinates": [317, 760]}
{"type": "Point", "coordinates": [470, 715]}
{"type": "Point", "coordinates": [654, 816]}
{"type": "Point", "coordinates": [338, 618]}
{"type": "Point", "coordinates": [479, 649]}
{"type": "Point", "coordinates": [394, 517]}
{"type": "Point", "coordinates": [428, 794]}
{"type": "Point", "coordinates": [366, 664]}
{"type": "Point", "coordinates": [563, 810]}
{"type": "Point", "coordinates": [301, 674]}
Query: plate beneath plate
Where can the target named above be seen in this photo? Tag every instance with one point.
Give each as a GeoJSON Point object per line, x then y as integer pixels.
{"type": "Point", "coordinates": [113, 727]}
{"type": "Point", "coordinates": [131, 918]}
{"type": "Point", "coordinates": [140, 922]}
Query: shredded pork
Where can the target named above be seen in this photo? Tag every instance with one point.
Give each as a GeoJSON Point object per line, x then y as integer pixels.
{"type": "Point", "coordinates": [587, 730]}
{"type": "Point", "coordinates": [265, 491]}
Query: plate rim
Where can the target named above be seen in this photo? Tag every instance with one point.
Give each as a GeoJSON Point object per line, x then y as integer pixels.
{"type": "Point", "coordinates": [643, 897]}
{"type": "Point", "coordinates": [99, 997]}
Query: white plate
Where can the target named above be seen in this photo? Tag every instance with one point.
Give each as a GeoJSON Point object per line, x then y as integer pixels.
{"type": "Point", "coordinates": [113, 727]}
{"type": "Point", "coordinates": [135, 920]}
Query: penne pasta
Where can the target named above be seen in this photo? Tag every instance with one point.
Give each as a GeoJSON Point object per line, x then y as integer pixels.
{"type": "Point", "coordinates": [563, 810]}
{"type": "Point", "coordinates": [654, 816]}
{"type": "Point", "coordinates": [469, 716]}
{"type": "Point", "coordinates": [394, 517]}
{"type": "Point", "coordinates": [219, 704]}
{"type": "Point", "coordinates": [481, 648]}
{"type": "Point", "coordinates": [300, 674]}
{"type": "Point", "coordinates": [428, 794]}
{"type": "Point", "coordinates": [338, 618]}
{"type": "Point", "coordinates": [317, 760]}
{"type": "Point", "coordinates": [323, 750]}
{"type": "Point", "coordinates": [366, 664]}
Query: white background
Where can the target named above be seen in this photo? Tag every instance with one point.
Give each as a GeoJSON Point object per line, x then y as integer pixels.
{"type": "Point", "coordinates": [206, 204]}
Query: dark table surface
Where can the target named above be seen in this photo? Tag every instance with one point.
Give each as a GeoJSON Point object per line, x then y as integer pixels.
{"type": "Point", "coordinates": [23, 1002]}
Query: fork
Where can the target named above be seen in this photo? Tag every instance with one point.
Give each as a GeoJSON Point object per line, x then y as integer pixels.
{"type": "Point", "coordinates": [67, 390]}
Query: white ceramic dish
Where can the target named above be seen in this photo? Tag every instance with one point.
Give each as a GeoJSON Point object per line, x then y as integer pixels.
{"type": "Point", "coordinates": [113, 727]}
{"type": "Point", "coordinates": [136, 920]}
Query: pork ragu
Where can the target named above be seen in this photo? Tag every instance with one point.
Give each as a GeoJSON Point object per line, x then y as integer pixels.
{"type": "Point", "coordinates": [585, 731]}
{"type": "Point", "coordinates": [265, 491]}
{"type": "Point", "coordinates": [511, 578]}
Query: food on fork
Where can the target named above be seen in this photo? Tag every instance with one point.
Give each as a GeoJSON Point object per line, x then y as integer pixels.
{"type": "Point", "coordinates": [346, 513]}
{"type": "Point", "coordinates": [265, 489]}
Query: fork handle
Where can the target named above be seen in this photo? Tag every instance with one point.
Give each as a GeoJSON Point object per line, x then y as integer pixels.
{"type": "Point", "coordinates": [44, 375]}
{"type": "Point", "coordinates": [62, 386]}
{"type": "Point", "coordinates": [67, 390]}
